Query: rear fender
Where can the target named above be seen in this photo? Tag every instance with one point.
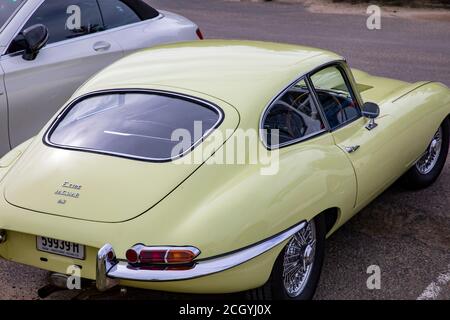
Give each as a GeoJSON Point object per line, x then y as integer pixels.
{"type": "Point", "coordinates": [9, 159]}
{"type": "Point", "coordinates": [418, 110]}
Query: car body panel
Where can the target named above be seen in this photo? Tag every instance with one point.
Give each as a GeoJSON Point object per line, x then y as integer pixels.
{"type": "Point", "coordinates": [21, 249]}
{"type": "Point", "coordinates": [211, 206]}
{"type": "Point", "coordinates": [376, 89]}
{"type": "Point", "coordinates": [408, 120]}
{"type": "Point", "coordinates": [121, 188]}
{"type": "Point", "coordinates": [223, 208]}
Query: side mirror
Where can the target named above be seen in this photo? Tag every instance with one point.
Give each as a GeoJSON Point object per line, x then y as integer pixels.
{"type": "Point", "coordinates": [36, 38]}
{"type": "Point", "coordinates": [371, 111]}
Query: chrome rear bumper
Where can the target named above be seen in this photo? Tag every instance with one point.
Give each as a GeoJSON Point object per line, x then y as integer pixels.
{"type": "Point", "coordinates": [111, 271]}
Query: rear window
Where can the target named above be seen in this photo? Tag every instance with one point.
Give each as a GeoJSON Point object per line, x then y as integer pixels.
{"type": "Point", "coordinates": [118, 13]}
{"type": "Point", "coordinates": [140, 125]}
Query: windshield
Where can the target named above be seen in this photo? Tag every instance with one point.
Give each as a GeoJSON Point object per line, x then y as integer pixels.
{"type": "Point", "coordinates": [140, 125]}
{"type": "Point", "coordinates": [7, 8]}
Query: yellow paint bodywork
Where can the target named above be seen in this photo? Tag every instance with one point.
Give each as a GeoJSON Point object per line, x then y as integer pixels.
{"type": "Point", "coordinates": [217, 208]}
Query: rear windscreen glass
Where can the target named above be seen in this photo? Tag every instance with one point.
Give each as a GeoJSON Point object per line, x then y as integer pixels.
{"type": "Point", "coordinates": [135, 124]}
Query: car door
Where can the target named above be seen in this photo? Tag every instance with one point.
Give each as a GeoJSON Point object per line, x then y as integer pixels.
{"type": "Point", "coordinates": [376, 160]}
{"type": "Point", "coordinates": [314, 172]}
{"type": "Point", "coordinates": [76, 50]}
{"type": "Point", "coordinates": [4, 141]}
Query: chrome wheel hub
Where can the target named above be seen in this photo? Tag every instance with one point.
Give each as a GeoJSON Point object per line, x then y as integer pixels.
{"type": "Point", "coordinates": [430, 158]}
{"type": "Point", "coordinates": [299, 260]}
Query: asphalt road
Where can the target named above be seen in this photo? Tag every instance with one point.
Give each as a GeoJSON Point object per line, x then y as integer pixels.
{"type": "Point", "coordinates": [405, 233]}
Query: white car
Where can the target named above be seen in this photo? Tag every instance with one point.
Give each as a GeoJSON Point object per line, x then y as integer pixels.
{"type": "Point", "coordinates": [48, 48]}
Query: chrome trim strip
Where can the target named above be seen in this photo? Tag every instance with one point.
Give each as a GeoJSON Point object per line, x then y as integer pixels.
{"type": "Point", "coordinates": [266, 110]}
{"type": "Point", "coordinates": [103, 265]}
{"type": "Point", "coordinates": [122, 271]}
{"type": "Point", "coordinates": [349, 80]}
{"type": "Point", "coordinates": [140, 247]}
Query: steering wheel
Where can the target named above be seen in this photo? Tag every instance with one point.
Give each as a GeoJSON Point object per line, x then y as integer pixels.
{"type": "Point", "coordinates": [295, 124]}
{"type": "Point", "coordinates": [340, 115]}
{"type": "Point", "coordinates": [298, 99]}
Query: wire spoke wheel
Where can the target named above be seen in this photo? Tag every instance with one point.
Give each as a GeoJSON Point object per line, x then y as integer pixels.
{"type": "Point", "coordinates": [299, 260]}
{"type": "Point", "coordinates": [429, 159]}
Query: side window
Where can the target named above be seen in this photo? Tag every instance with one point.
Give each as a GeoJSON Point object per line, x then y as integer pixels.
{"type": "Point", "coordinates": [65, 19]}
{"type": "Point", "coordinates": [117, 13]}
{"type": "Point", "coordinates": [335, 96]}
{"type": "Point", "coordinates": [292, 117]}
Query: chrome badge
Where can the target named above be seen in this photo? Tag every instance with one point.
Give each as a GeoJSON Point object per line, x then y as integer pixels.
{"type": "Point", "coordinates": [67, 191]}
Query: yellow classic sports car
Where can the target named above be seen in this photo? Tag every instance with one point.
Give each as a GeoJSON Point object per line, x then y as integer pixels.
{"type": "Point", "coordinates": [215, 167]}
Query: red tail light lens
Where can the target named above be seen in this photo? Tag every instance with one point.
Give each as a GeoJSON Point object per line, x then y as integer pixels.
{"type": "Point", "coordinates": [200, 34]}
{"type": "Point", "coordinates": [132, 256]}
{"type": "Point", "coordinates": [111, 256]}
{"type": "Point", "coordinates": [161, 255]}
{"type": "Point", "coordinates": [153, 256]}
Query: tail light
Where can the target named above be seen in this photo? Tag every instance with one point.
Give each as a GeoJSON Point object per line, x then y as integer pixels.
{"type": "Point", "coordinates": [200, 34]}
{"type": "Point", "coordinates": [149, 256]}
{"type": "Point", "coordinates": [132, 255]}
{"type": "Point", "coordinates": [140, 254]}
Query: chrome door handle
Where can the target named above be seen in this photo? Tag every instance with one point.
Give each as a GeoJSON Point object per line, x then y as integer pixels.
{"type": "Point", "coordinates": [102, 46]}
{"type": "Point", "coordinates": [352, 149]}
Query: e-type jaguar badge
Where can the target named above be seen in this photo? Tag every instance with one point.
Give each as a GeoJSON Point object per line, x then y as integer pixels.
{"type": "Point", "coordinates": [68, 190]}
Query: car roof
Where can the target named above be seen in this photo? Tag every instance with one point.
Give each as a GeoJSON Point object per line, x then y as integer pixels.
{"type": "Point", "coordinates": [245, 74]}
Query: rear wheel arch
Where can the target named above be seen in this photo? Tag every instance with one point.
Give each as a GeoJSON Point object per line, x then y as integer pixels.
{"type": "Point", "coordinates": [332, 216]}
{"type": "Point", "coordinates": [324, 221]}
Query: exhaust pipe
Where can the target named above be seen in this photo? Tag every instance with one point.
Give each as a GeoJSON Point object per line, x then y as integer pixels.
{"type": "Point", "coordinates": [57, 282]}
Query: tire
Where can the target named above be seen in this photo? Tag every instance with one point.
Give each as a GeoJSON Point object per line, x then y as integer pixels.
{"type": "Point", "coordinates": [422, 175]}
{"type": "Point", "coordinates": [275, 288]}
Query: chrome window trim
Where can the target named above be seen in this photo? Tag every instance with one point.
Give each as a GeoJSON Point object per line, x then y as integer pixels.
{"type": "Point", "coordinates": [350, 82]}
{"type": "Point", "coordinates": [275, 99]}
{"type": "Point", "coordinates": [199, 101]}
{"type": "Point", "coordinates": [110, 272]}
{"type": "Point", "coordinates": [63, 42]}
{"type": "Point", "coordinates": [341, 66]}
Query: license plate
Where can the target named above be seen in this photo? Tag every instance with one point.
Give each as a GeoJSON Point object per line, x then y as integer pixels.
{"type": "Point", "coordinates": [60, 247]}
